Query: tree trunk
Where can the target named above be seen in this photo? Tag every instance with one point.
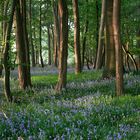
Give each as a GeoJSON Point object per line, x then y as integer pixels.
{"type": "Point", "coordinates": [4, 9]}
{"type": "Point", "coordinates": [109, 68]}
{"type": "Point", "coordinates": [118, 48]}
{"type": "Point", "coordinates": [97, 30]}
{"type": "Point", "coordinates": [49, 46]}
{"type": "Point", "coordinates": [56, 34]}
{"type": "Point", "coordinates": [138, 45]}
{"type": "Point", "coordinates": [2, 14]}
{"type": "Point", "coordinates": [21, 42]}
{"type": "Point", "coordinates": [84, 43]}
{"type": "Point", "coordinates": [63, 14]}
{"type": "Point", "coordinates": [36, 48]}
{"type": "Point", "coordinates": [23, 3]}
{"type": "Point", "coordinates": [6, 55]}
{"type": "Point", "coordinates": [40, 34]}
{"type": "Point", "coordinates": [52, 41]}
{"type": "Point", "coordinates": [85, 38]}
{"type": "Point", "coordinates": [4, 23]}
{"type": "Point", "coordinates": [31, 39]}
{"type": "Point", "coordinates": [1, 37]}
{"type": "Point", "coordinates": [100, 40]}
{"type": "Point", "coordinates": [1, 67]}
{"type": "Point", "coordinates": [77, 38]}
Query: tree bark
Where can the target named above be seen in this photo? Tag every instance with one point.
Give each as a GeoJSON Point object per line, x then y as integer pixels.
{"type": "Point", "coordinates": [100, 40]}
{"type": "Point", "coordinates": [40, 34]}
{"type": "Point", "coordinates": [6, 55]}
{"type": "Point", "coordinates": [49, 46]}
{"type": "Point", "coordinates": [31, 39]}
{"type": "Point", "coordinates": [21, 45]}
{"type": "Point", "coordinates": [77, 37]}
{"type": "Point", "coordinates": [109, 68]}
{"type": "Point", "coordinates": [56, 34]}
{"type": "Point", "coordinates": [85, 38]}
{"type": "Point", "coordinates": [97, 30]}
{"type": "Point", "coordinates": [138, 45]}
{"type": "Point", "coordinates": [63, 14]}
{"type": "Point", "coordinates": [4, 24]}
{"type": "Point", "coordinates": [23, 3]}
{"type": "Point", "coordinates": [36, 48]}
{"type": "Point", "coordinates": [118, 48]}
{"type": "Point", "coordinates": [84, 43]}
{"type": "Point", "coordinates": [52, 41]}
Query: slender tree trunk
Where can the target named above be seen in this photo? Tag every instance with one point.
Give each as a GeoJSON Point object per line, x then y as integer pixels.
{"type": "Point", "coordinates": [52, 41]}
{"type": "Point", "coordinates": [77, 38]}
{"type": "Point", "coordinates": [56, 34]}
{"type": "Point", "coordinates": [97, 23]}
{"type": "Point", "coordinates": [40, 33]}
{"type": "Point", "coordinates": [97, 31]}
{"type": "Point", "coordinates": [23, 3]}
{"type": "Point", "coordinates": [100, 40]}
{"type": "Point", "coordinates": [2, 14]}
{"type": "Point", "coordinates": [6, 55]}
{"type": "Point", "coordinates": [84, 43]}
{"type": "Point", "coordinates": [118, 48]}
{"type": "Point", "coordinates": [1, 67]}
{"type": "Point", "coordinates": [63, 14]}
{"type": "Point", "coordinates": [1, 37]}
{"type": "Point", "coordinates": [4, 9]}
{"type": "Point", "coordinates": [4, 23]}
{"type": "Point", "coordinates": [31, 39]}
{"type": "Point", "coordinates": [36, 48]}
{"type": "Point", "coordinates": [138, 45]}
{"type": "Point", "coordinates": [49, 46]}
{"type": "Point", "coordinates": [85, 38]}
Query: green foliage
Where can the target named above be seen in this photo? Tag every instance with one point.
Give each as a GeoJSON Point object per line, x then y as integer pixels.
{"type": "Point", "coordinates": [130, 17]}
{"type": "Point", "coordinates": [135, 50]}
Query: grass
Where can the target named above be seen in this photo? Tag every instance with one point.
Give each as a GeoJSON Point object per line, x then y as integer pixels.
{"type": "Point", "coordinates": [87, 110]}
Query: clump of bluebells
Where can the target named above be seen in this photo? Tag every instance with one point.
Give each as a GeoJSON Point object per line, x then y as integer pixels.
{"type": "Point", "coordinates": [91, 114]}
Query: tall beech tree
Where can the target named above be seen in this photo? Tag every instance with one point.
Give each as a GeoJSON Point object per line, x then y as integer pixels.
{"type": "Point", "coordinates": [76, 37]}
{"type": "Point", "coordinates": [26, 39]}
{"type": "Point", "coordinates": [109, 68]}
{"type": "Point", "coordinates": [49, 46]}
{"type": "Point", "coordinates": [36, 48]}
{"type": "Point", "coordinates": [40, 33]}
{"type": "Point", "coordinates": [118, 48]}
{"type": "Point", "coordinates": [6, 62]}
{"type": "Point", "coordinates": [138, 46]}
{"type": "Point", "coordinates": [5, 7]}
{"type": "Point", "coordinates": [31, 36]}
{"type": "Point", "coordinates": [4, 24]}
{"type": "Point", "coordinates": [56, 33]}
{"type": "Point", "coordinates": [84, 41]}
{"type": "Point", "coordinates": [101, 36]}
{"type": "Point", "coordinates": [97, 29]}
{"type": "Point", "coordinates": [22, 46]}
{"type": "Point", "coordinates": [63, 53]}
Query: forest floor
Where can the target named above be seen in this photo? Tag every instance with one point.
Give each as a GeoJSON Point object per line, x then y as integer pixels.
{"type": "Point", "coordinates": [87, 110]}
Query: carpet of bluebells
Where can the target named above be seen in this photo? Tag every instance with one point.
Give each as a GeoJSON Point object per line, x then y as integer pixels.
{"type": "Point", "coordinates": [87, 110]}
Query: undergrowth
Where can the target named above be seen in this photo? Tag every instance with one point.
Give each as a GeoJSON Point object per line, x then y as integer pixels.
{"type": "Point", "coordinates": [87, 110]}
